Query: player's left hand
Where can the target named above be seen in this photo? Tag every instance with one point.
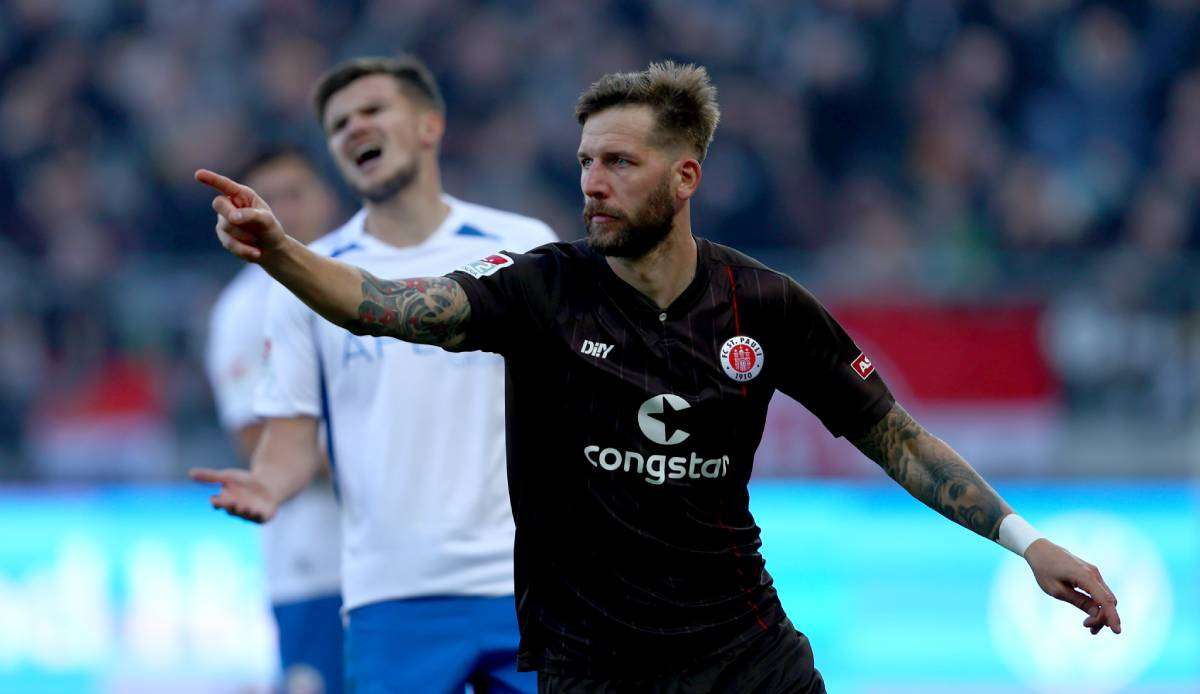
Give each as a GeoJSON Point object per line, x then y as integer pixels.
{"type": "Point", "coordinates": [1065, 576]}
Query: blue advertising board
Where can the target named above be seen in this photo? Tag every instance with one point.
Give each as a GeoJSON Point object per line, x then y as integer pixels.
{"type": "Point", "coordinates": [147, 589]}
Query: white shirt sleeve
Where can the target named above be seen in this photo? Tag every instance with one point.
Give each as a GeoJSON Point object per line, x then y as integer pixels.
{"type": "Point", "coordinates": [291, 386]}
{"type": "Point", "coordinates": [233, 359]}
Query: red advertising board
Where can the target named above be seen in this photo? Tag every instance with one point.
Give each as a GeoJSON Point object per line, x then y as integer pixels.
{"type": "Point", "coordinates": [976, 376]}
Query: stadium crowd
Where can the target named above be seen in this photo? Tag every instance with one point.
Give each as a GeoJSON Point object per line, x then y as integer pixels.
{"type": "Point", "coordinates": [931, 150]}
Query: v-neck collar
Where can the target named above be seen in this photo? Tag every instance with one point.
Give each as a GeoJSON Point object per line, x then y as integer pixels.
{"type": "Point", "coordinates": [630, 298]}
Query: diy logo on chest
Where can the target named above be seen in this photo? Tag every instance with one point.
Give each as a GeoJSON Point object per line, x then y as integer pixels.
{"type": "Point", "coordinates": [741, 358]}
{"type": "Point", "coordinates": [599, 350]}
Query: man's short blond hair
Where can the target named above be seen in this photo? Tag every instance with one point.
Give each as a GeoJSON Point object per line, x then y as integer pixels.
{"type": "Point", "coordinates": [682, 97]}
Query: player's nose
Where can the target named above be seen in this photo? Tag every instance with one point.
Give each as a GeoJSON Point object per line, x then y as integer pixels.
{"type": "Point", "coordinates": [356, 124]}
{"type": "Point", "coordinates": [594, 183]}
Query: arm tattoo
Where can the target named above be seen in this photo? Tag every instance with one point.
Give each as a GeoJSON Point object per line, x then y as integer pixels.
{"type": "Point", "coordinates": [430, 310]}
{"type": "Point", "coordinates": [933, 473]}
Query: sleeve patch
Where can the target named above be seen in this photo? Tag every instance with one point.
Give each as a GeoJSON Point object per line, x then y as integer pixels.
{"type": "Point", "coordinates": [863, 366]}
{"type": "Point", "coordinates": [487, 266]}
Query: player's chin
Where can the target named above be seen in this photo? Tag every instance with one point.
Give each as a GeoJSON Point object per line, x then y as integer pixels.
{"type": "Point", "coordinates": [606, 237]}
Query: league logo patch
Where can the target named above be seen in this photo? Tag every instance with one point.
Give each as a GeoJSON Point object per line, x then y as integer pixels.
{"type": "Point", "coordinates": [863, 366]}
{"type": "Point", "coordinates": [742, 358]}
{"type": "Point", "coordinates": [489, 265]}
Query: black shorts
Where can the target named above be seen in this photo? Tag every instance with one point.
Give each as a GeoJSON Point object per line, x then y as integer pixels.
{"type": "Point", "coordinates": [778, 661]}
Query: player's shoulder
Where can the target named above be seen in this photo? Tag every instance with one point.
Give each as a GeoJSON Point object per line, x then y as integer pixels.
{"type": "Point", "coordinates": [232, 320]}
{"type": "Point", "coordinates": [559, 253]}
{"type": "Point", "coordinates": [737, 261]}
{"type": "Point", "coordinates": [753, 277]}
{"type": "Point", "coordinates": [247, 284]}
{"type": "Point", "coordinates": [542, 266]}
{"type": "Point", "coordinates": [510, 229]}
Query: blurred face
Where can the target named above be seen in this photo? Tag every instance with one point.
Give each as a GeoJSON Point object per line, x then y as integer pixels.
{"type": "Point", "coordinates": [629, 196]}
{"type": "Point", "coordinates": [300, 199]}
{"type": "Point", "coordinates": [377, 135]}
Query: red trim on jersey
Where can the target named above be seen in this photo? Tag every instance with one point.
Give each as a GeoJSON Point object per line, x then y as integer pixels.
{"type": "Point", "coordinates": [741, 574]}
{"type": "Point", "coordinates": [737, 322]}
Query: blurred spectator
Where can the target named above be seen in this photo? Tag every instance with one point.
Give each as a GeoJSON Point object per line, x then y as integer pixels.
{"type": "Point", "coordinates": [1041, 149]}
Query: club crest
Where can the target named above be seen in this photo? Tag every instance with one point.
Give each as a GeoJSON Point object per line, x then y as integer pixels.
{"type": "Point", "coordinates": [742, 358]}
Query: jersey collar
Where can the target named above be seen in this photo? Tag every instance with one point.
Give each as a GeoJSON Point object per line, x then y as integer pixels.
{"type": "Point", "coordinates": [630, 298]}
{"type": "Point", "coordinates": [357, 230]}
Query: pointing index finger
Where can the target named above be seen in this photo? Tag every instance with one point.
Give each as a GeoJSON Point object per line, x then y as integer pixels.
{"type": "Point", "coordinates": [239, 194]}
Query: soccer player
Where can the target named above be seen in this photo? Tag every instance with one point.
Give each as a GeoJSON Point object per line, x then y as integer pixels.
{"type": "Point", "coordinates": [640, 365]}
{"type": "Point", "coordinates": [301, 547]}
{"type": "Point", "coordinates": [416, 433]}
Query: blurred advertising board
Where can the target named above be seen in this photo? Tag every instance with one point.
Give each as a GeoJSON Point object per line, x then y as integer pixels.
{"type": "Point", "coordinates": [977, 377]}
{"type": "Point", "coordinates": [148, 590]}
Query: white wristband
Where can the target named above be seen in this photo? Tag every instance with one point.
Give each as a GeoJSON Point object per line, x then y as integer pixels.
{"type": "Point", "coordinates": [1016, 534]}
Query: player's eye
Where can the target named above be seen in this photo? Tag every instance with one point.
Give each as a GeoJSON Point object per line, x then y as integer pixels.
{"type": "Point", "coordinates": [585, 162]}
{"type": "Point", "coordinates": [622, 161]}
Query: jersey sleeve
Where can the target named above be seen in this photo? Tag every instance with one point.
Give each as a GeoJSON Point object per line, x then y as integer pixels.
{"type": "Point", "coordinates": [509, 295]}
{"type": "Point", "coordinates": [291, 384]}
{"type": "Point", "coordinates": [232, 361]}
{"type": "Point", "coordinates": [827, 373]}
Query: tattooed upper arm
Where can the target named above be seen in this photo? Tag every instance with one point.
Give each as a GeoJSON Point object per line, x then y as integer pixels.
{"type": "Point", "coordinates": [932, 472]}
{"type": "Point", "coordinates": [428, 310]}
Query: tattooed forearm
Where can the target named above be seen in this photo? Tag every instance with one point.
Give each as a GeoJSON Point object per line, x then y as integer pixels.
{"type": "Point", "coordinates": [933, 473]}
{"type": "Point", "coordinates": [430, 310]}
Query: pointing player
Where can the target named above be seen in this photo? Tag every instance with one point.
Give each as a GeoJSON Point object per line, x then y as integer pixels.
{"type": "Point", "coordinates": [416, 434]}
{"type": "Point", "coordinates": [301, 547]}
{"type": "Point", "coordinates": [637, 558]}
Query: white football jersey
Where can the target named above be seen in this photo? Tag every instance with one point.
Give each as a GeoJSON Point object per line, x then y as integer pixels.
{"type": "Point", "coordinates": [416, 433]}
{"type": "Point", "coordinates": [301, 545]}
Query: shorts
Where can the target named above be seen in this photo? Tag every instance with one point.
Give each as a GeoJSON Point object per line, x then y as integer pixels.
{"type": "Point", "coordinates": [436, 644]}
{"type": "Point", "coordinates": [778, 661]}
{"type": "Point", "coordinates": [310, 644]}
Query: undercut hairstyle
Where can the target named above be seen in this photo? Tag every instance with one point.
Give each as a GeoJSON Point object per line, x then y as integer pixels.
{"type": "Point", "coordinates": [413, 77]}
{"type": "Point", "coordinates": [682, 97]}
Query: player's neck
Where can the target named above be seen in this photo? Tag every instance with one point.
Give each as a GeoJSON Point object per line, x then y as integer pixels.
{"type": "Point", "coordinates": [410, 216]}
{"type": "Point", "coordinates": [664, 272]}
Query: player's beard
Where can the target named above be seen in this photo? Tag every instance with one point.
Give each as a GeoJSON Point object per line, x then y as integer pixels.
{"type": "Point", "coordinates": [386, 190]}
{"type": "Point", "coordinates": [636, 235]}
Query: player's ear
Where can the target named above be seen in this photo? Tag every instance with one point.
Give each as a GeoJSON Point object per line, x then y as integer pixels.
{"type": "Point", "coordinates": [687, 176]}
{"type": "Point", "coordinates": [430, 127]}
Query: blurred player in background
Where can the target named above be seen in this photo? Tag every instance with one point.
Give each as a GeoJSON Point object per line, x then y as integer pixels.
{"type": "Point", "coordinates": [416, 433]}
{"type": "Point", "coordinates": [641, 362]}
{"type": "Point", "coordinates": [301, 547]}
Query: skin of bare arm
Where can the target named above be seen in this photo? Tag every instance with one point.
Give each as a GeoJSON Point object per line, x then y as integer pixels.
{"type": "Point", "coordinates": [933, 473]}
{"type": "Point", "coordinates": [430, 310]}
{"type": "Point", "coordinates": [246, 439]}
{"type": "Point", "coordinates": [287, 458]}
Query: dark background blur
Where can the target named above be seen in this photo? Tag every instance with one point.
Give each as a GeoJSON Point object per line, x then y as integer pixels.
{"type": "Point", "coordinates": [933, 155]}
{"type": "Point", "coordinates": [997, 198]}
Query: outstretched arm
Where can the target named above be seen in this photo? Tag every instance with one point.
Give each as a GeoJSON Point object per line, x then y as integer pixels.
{"type": "Point", "coordinates": [933, 473]}
{"type": "Point", "coordinates": [938, 477]}
{"type": "Point", "coordinates": [431, 310]}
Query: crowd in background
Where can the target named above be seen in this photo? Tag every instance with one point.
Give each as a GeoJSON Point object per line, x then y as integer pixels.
{"type": "Point", "coordinates": [930, 150]}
